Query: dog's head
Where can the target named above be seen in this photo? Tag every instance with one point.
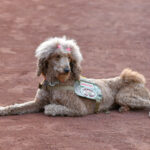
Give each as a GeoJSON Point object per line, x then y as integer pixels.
{"type": "Point", "coordinates": [59, 58]}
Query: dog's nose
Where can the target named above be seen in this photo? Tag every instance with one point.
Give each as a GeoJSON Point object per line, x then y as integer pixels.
{"type": "Point", "coordinates": [66, 70]}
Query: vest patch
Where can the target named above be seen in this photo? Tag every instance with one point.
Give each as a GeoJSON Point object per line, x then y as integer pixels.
{"type": "Point", "coordinates": [89, 90]}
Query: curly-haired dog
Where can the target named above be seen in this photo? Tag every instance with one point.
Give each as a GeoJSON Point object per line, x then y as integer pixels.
{"type": "Point", "coordinates": [59, 62]}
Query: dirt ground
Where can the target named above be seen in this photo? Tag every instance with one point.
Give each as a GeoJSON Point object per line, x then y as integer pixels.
{"type": "Point", "coordinates": [112, 34]}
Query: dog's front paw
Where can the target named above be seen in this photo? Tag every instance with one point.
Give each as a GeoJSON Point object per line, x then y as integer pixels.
{"type": "Point", "coordinates": [50, 110]}
{"type": "Point", "coordinates": [2, 111]}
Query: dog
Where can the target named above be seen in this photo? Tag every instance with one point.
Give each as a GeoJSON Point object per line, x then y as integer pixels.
{"type": "Point", "coordinates": [59, 62]}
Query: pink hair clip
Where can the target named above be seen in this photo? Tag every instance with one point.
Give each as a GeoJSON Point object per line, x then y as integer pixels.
{"type": "Point", "coordinates": [68, 49]}
{"type": "Point", "coordinates": [59, 46]}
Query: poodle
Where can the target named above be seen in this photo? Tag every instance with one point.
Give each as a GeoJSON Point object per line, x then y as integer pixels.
{"type": "Point", "coordinates": [59, 62]}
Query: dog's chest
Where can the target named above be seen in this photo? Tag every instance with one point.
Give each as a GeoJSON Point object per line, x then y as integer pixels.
{"type": "Point", "coordinates": [62, 97]}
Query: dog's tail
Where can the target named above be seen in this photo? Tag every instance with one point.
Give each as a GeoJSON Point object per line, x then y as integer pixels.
{"type": "Point", "coordinates": [129, 76]}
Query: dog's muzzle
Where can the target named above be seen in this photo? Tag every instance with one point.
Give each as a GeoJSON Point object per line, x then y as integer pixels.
{"type": "Point", "coordinates": [66, 70]}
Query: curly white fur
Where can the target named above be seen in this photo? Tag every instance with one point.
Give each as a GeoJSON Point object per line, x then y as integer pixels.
{"type": "Point", "coordinates": [49, 46]}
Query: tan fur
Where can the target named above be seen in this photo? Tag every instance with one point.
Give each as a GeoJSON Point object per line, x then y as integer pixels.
{"type": "Point", "coordinates": [63, 77]}
{"type": "Point", "coordinates": [127, 90]}
{"type": "Point", "coordinates": [128, 75]}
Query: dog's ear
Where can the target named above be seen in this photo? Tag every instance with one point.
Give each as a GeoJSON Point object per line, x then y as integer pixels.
{"type": "Point", "coordinates": [75, 70]}
{"type": "Point", "coordinates": [42, 66]}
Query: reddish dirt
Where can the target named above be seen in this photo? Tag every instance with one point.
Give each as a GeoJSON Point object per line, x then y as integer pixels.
{"type": "Point", "coordinates": [112, 34]}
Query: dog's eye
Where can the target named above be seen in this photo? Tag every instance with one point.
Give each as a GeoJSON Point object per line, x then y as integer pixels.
{"type": "Point", "coordinates": [58, 57]}
{"type": "Point", "coordinates": [69, 57]}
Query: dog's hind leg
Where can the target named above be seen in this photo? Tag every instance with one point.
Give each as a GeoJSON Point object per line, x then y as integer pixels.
{"type": "Point", "coordinates": [134, 97]}
{"type": "Point", "coordinates": [133, 102]}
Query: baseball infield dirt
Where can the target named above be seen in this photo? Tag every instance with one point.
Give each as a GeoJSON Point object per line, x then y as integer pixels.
{"type": "Point", "coordinates": [112, 34]}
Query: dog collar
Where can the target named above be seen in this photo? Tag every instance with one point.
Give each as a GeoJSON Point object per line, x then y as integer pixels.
{"type": "Point", "coordinates": [55, 85]}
